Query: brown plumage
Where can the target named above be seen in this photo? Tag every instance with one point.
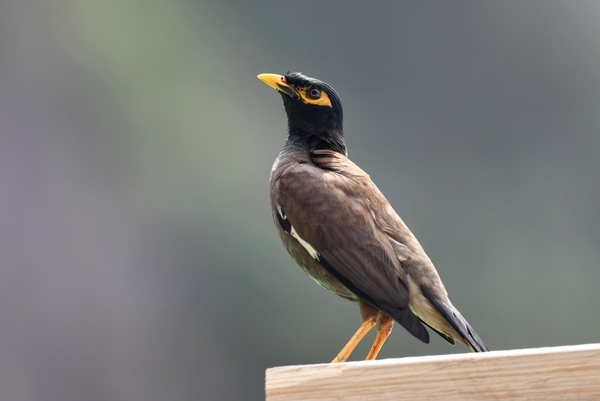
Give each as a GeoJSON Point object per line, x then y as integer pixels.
{"type": "Point", "coordinates": [342, 231]}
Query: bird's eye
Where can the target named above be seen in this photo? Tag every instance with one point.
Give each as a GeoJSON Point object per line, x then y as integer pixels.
{"type": "Point", "coordinates": [314, 93]}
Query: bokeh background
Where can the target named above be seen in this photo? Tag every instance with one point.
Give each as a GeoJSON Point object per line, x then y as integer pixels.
{"type": "Point", "coordinates": [137, 255]}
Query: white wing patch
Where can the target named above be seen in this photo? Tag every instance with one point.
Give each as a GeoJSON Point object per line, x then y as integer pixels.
{"type": "Point", "coordinates": [312, 252]}
{"type": "Point", "coordinates": [280, 211]}
{"type": "Point", "coordinates": [305, 244]}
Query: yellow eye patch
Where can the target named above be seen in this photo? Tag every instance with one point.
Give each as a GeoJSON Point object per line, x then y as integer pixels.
{"type": "Point", "coordinates": [305, 95]}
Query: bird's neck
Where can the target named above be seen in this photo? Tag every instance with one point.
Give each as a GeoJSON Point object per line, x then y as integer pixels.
{"type": "Point", "coordinates": [309, 142]}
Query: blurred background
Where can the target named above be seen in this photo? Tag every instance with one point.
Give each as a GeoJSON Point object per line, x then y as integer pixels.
{"type": "Point", "coordinates": [138, 260]}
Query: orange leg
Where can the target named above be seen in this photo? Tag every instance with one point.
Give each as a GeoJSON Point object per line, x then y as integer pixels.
{"type": "Point", "coordinates": [369, 316]}
{"type": "Point", "coordinates": [356, 338]}
{"type": "Point", "coordinates": [384, 328]}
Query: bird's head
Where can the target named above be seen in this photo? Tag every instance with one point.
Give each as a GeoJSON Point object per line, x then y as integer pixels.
{"type": "Point", "coordinates": [313, 107]}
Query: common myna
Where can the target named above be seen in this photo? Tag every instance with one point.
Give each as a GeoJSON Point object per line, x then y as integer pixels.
{"type": "Point", "coordinates": [344, 233]}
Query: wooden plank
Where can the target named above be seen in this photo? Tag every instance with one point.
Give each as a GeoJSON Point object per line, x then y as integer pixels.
{"type": "Point", "coordinates": [557, 373]}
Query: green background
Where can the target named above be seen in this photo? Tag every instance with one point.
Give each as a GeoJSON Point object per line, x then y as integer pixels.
{"type": "Point", "coordinates": [138, 260]}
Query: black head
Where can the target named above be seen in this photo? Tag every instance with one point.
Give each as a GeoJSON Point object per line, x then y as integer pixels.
{"type": "Point", "coordinates": [313, 108]}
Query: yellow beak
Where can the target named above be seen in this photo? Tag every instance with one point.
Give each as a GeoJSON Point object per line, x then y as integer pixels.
{"type": "Point", "coordinates": [278, 83]}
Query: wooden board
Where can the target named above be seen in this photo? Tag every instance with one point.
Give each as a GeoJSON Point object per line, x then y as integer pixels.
{"type": "Point", "coordinates": [557, 373]}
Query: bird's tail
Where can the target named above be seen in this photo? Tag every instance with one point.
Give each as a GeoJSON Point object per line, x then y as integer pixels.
{"type": "Point", "coordinates": [467, 335]}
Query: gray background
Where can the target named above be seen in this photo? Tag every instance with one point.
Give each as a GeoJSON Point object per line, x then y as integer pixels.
{"type": "Point", "coordinates": [137, 255]}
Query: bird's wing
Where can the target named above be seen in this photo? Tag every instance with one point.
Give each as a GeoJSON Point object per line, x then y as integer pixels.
{"type": "Point", "coordinates": [331, 209]}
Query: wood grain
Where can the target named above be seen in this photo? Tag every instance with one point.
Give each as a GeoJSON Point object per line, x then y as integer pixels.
{"type": "Point", "coordinates": [557, 373]}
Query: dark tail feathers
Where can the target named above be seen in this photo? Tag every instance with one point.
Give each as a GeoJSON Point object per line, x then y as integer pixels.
{"type": "Point", "coordinates": [459, 323]}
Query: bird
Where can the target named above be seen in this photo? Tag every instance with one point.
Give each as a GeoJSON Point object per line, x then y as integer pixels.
{"type": "Point", "coordinates": [343, 232]}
